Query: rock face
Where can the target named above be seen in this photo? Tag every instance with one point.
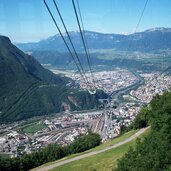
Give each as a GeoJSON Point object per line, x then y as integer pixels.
{"type": "Point", "coordinates": [27, 89]}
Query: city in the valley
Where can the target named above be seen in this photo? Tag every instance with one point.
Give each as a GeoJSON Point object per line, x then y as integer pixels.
{"type": "Point", "coordinates": [128, 91]}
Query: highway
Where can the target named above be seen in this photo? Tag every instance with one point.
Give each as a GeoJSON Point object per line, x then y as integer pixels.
{"type": "Point", "coordinates": [45, 168]}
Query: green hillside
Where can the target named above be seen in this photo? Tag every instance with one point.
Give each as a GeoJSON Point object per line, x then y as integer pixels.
{"type": "Point", "coordinates": [153, 152]}
{"type": "Point", "coordinates": [27, 89]}
{"type": "Point", "coordinates": [105, 161]}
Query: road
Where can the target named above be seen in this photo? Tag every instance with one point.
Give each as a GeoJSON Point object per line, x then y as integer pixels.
{"type": "Point", "coordinates": [45, 168]}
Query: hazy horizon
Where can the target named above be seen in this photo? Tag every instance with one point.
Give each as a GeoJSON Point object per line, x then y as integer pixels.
{"type": "Point", "coordinates": [29, 21]}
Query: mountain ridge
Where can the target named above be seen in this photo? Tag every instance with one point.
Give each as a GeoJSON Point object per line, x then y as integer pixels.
{"type": "Point", "coordinates": [150, 39]}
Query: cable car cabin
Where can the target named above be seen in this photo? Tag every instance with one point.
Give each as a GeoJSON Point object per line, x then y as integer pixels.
{"type": "Point", "coordinates": [92, 91]}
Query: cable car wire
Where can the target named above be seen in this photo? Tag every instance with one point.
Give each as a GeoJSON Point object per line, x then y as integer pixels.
{"type": "Point", "coordinates": [138, 23]}
{"type": "Point", "coordinates": [64, 41]}
{"type": "Point", "coordinates": [77, 18]}
{"type": "Point", "coordinates": [83, 30]}
{"type": "Point", "coordinates": [142, 13]}
{"type": "Point", "coordinates": [59, 13]}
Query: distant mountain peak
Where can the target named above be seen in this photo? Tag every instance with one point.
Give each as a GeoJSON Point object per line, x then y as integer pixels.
{"type": "Point", "coordinates": [161, 29]}
{"type": "Point", "coordinates": [5, 38]}
{"type": "Point", "coordinates": [151, 39]}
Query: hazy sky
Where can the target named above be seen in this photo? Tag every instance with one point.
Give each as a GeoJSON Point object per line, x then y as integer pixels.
{"type": "Point", "coordinates": [28, 20]}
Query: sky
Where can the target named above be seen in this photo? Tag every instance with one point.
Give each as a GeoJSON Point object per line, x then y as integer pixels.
{"type": "Point", "coordinates": [29, 20]}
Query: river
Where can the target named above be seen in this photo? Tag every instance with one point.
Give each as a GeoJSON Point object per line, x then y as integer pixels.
{"type": "Point", "coordinates": [117, 96]}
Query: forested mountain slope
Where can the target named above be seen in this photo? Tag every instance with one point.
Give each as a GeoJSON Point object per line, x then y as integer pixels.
{"type": "Point", "coordinates": [154, 152]}
{"type": "Point", "coordinates": [27, 89]}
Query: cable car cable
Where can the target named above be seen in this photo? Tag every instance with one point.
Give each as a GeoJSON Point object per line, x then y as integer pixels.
{"type": "Point", "coordinates": [64, 39]}
{"type": "Point", "coordinates": [59, 13]}
{"type": "Point", "coordinates": [136, 28]}
{"type": "Point", "coordinates": [81, 32]}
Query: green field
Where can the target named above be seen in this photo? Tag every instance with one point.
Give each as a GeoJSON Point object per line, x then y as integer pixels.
{"type": "Point", "coordinates": [105, 161]}
{"type": "Point", "coordinates": [100, 162]}
{"type": "Point", "coordinates": [32, 128]}
{"type": "Point", "coordinates": [108, 143]}
{"type": "Point", "coordinates": [114, 141]}
{"type": "Point", "coordinates": [5, 156]}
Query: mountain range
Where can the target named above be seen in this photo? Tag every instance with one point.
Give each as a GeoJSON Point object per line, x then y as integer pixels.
{"type": "Point", "coordinates": [149, 40]}
{"type": "Point", "coordinates": [27, 89]}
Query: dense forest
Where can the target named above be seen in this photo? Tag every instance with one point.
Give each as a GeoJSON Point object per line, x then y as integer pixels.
{"type": "Point", "coordinates": [50, 153]}
{"type": "Point", "coordinates": [154, 152]}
